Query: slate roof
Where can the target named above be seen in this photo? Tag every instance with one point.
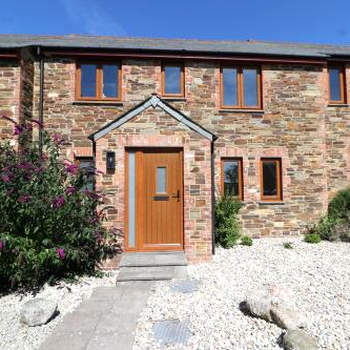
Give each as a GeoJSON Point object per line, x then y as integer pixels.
{"type": "Point", "coordinates": [8, 41]}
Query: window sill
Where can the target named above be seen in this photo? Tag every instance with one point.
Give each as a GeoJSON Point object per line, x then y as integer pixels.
{"type": "Point", "coordinates": [98, 103]}
{"type": "Point", "coordinates": [241, 110]}
{"type": "Point", "coordinates": [338, 105]}
{"type": "Point", "coordinates": [174, 98]}
{"type": "Point", "coordinates": [271, 203]}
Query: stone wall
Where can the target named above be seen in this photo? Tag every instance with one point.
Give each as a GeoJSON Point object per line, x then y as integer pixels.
{"type": "Point", "coordinates": [9, 96]}
{"type": "Point", "coordinates": [295, 124]}
{"type": "Point", "coordinates": [154, 127]}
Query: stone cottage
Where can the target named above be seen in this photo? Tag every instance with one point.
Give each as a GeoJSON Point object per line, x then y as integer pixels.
{"type": "Point", "coordinates": [173, 124]}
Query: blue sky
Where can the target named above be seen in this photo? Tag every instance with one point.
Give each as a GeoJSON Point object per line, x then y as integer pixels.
{"type": "Point", "coordinates": [317, 21]}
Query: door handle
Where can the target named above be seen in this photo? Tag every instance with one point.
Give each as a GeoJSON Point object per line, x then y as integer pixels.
{"type": "Point", "coordinates": [177, 195]}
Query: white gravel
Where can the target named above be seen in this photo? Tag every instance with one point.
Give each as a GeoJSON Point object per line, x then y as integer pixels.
{"type": "Point", "coordinates": [16, 336]}
{"type": "Point", "coordinates": [318, 275]}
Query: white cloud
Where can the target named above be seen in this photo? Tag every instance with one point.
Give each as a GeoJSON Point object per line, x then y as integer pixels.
{"type": "Point", "coordinates": [92, 18]}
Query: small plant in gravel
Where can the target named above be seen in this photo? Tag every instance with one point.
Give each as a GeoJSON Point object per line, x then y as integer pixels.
{"type": "Point", "coordinates": [226, 222]}
{"type": "Point", "coordinates": [246, 240]}
{"type": "Point", "coordinates": [312, 238]}
{"type": "Point", "coordinates": [288, 245]}
{"type": "Point", "coordinates": [50, 227]}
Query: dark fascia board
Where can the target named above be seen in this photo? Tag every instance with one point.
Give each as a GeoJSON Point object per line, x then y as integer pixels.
{"type": "Point", "coordinates": [182, 54]}
{"type": "Point", "coordinates": [154, 101]}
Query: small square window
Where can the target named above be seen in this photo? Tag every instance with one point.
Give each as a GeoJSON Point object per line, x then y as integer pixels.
{"type": "Point", "coordinates": [270, 179]}
{"type": "Point", "coordinates": [98, 81]}
{"type": "Point", "coordinates": [337, 86]}
{"type": "Point", "coordinates": [232, 177]}
{"type": "Point", "coordinates": [173, 79]}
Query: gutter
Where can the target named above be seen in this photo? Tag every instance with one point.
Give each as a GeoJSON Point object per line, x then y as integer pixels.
{"type": "Point", "coordinates": [41, 98]}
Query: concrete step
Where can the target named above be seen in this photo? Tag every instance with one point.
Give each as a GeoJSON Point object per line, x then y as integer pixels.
{"type": "Point", "coordinates": [141, 259]}
{"type": "Point", "coordinates": [151, 273]}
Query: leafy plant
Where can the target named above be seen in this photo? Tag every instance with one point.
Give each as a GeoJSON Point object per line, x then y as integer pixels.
{"type": "Point", "coordinates": [50, 227]}
{"type": "Point", "coordinates": [227, 226]}
{"type": "Point", "coordinates": [288, 245]}
{"type": "Point", "coordinates": [336, 224]}
{"type": "Point", "coordinates": [312, 238]}
{"type": "Point", "coordinates": [246, 240]}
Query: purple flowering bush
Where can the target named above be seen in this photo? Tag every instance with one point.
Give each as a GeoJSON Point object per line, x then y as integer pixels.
{"type": "Point", "coordinates": [49, 227]}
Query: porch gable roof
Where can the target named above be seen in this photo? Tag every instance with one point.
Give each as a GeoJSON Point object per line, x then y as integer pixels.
{"type": "Point", "coordinates": [153, 101]}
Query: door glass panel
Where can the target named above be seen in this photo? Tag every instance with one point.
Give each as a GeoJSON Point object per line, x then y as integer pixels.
{"type": "Point", "coordinates": [250, 87]}
{"type": "Point", "coordinates": [270, 178]}
{"type": "Point", "coordinates": [161, 180]}
{"type": "Point", "coordinates": [110, 80]}
{"type": "Point", "coordinates": [231, 178]}
{"type": "Point", "coordinates": [131, 199]}
{"type": "Point", "coordinates": [334, 82]}
{"type": "Point", "coordinates": [229, 77]}
{"type": "Point", "coordinates": [88, 80]}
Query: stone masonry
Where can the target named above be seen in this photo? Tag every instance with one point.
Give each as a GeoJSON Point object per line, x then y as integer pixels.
{"type": "Point", "coordinates": [296, 124]}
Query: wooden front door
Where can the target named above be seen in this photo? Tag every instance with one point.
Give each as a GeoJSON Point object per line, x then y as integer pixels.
{"type": "Point", "coordinates": [159, 199]}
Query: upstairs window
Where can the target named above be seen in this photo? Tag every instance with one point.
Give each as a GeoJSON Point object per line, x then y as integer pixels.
{"type": "Point", "coordinates": [337, 90]}
{"type": "Point", "coordinates": [270, 179]}
{"type": "Point", "coordinates": [173, 80]}
{"type": "Point", "coordinates": [98, 81]}
{"type": "Point", "coordinates": [241, 87]}
{"type": "Point", "coordinates": [232, 177]}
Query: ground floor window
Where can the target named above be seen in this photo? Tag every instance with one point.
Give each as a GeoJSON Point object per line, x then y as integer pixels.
{"type": "Point", "coordinates": [232, 177]}
{"type": "Point", "coordinates": [270, 179]}
{"type": "Point", "coordinates": [87, 163]}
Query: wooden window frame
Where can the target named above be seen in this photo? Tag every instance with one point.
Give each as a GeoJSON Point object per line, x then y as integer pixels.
{"type": "Point", "coordinates": [279, 196]}
{"type": "Point", "coordinates": [99, 81]}
{"type": "Point", "coordinates": [240, 176]}
{"type": "Point", "coordinates": [240, 87]}
{"type": "Point", "coordinates": [342, 81]}
{"type": "Point", "coordinates": [182, 78]}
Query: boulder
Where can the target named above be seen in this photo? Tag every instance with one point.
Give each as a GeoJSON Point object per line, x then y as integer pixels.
{"type": "Point", "coordinates": [275, 304]}
{"type": "Point", "coordinates": [298, 340]}
{"type": "Point", "coordinates": [38, 311]}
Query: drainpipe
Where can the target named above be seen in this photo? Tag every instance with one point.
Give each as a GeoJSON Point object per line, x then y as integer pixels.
{"type": "Point", "coordinates": [212, 194]}
{"type": "Point", "coordinates": [41, 99]}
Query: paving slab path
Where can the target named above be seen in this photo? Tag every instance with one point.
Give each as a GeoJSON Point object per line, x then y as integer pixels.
{"type": "Point", "coordinates": [109, 318]}
{"type": "Point", "coordinates": [105, 321]}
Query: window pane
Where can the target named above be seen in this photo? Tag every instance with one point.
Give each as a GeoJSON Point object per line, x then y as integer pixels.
{"type": "Point", "coordinates": [88, 80]}
{"type": "Point", "coordinates": [334, 84]}
{"type": "Point", "coordinates": [161, 179]}
{"type": "Point", "coordinates": [270, 178]}
{"type": "Point", "coordinates": [87, 165]}
{"type": "Point", "coordinates": [231, 177]}
{"type": "Point", "coordinates": [229, 77]}
{"type": "Point", "coordinates": [110, 80]}
{"type": "Point", "coordinates": [172, 80]}
{"type": "Point", "coordinates": [250, 87]}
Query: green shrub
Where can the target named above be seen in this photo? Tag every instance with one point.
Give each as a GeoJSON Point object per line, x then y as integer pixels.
{"type": "Point", "coordinates": [336, 224]}
{"type": "Point", "coordinates": [246, 240]}
{"type": "Point", "coordinates": [227, 226]}
{"type": "Point", "coordinates": [288, 245]}
{"type": "Point", "coordinates": [312, 238]}
{"type": "Point", "coordinates": [49, 227]}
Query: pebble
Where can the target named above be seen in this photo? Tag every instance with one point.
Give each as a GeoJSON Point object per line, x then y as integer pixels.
{"type": "Point", "coordinates": [317, 274]}
{"type": "Point", "coordinates": [14, 335]}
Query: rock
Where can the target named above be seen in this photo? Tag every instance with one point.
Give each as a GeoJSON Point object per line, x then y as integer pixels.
{"type": "Point", "coordinates": [299, 340]}
{"type": "Point", "coordinates": [288, 319]}
{"type": "Point", "coordinates": [275, 304]}
{"type": "Point", "coordinates": [38, 311]}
